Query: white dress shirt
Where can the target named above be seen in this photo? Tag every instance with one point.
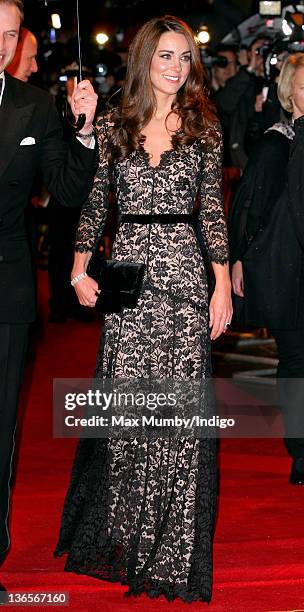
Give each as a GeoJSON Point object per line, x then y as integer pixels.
{"type": "Point", "coordinates": [2, 76]}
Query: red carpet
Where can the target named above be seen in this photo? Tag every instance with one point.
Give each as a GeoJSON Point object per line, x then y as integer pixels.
{"type": "Point", "coordinates": [259, 546]}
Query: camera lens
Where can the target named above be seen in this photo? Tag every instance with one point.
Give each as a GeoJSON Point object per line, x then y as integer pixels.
{"type": "Point", "coordinates": [221, 61]}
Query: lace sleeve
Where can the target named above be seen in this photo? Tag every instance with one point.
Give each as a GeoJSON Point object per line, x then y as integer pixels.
{"type": "Point", "coordinates": [211, 216]}
{"type": "Point", "coordinates": [94, 211]}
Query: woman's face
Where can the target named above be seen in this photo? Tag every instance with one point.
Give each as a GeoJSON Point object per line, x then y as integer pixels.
{"type": "Point", "coordinates": [170, 65]}
{"type": "Point", "coordinates": [297, 96]}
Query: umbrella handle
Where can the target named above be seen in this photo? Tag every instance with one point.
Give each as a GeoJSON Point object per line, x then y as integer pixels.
{"type": "Point", "coordinates": [78, 125]}
{"type": "Point", "coordinates": [80, 122]}
{"type": "Point", "coordinates": [75, 125]}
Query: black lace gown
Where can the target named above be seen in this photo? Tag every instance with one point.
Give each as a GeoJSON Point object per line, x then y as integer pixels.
{"type": "Point", "coordinates": [142, 512]}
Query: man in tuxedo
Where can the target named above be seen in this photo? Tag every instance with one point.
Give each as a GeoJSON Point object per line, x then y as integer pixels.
{"type": "Point", "coordinates": [30, 141]}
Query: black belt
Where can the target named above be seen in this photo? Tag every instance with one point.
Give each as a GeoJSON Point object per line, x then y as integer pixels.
{"type": "Point", "coordinates": [165, 219]}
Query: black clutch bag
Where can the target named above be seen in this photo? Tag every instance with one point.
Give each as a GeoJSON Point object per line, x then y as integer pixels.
{"type": "Point", "coordinates": [120, 283]}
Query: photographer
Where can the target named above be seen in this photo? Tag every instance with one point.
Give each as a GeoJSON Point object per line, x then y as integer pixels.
{"type": "Point", "coordinates": [226, 68]}
{"type": "Point", "coordinates": [236, 105]}
{"type": "Point", "coordinates": [267, 108]}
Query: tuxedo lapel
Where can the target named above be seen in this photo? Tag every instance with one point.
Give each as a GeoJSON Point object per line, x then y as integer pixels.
{"type": "Point", "coordinates": [14, 117]}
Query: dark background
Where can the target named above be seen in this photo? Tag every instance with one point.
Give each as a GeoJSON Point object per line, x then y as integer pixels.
{"type": "Point", "coordinates": [110, 15]}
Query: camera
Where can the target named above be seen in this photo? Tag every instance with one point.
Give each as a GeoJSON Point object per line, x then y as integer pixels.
{"type": "Point", "coordinates": [264, 50]}
{"type": "Point", "coordinates": [213, 60]}
{"type": "Point", "coordinates": [289, 36]}
{"type": "Point", "coordinates": [220, 61]}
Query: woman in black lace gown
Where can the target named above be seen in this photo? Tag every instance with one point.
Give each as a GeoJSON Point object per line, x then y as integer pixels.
{"type": "Point", "coordinates": [141, 512]}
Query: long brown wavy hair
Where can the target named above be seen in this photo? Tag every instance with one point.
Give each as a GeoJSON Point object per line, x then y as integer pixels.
{"type": "Point", "coordinates": [138, 102]}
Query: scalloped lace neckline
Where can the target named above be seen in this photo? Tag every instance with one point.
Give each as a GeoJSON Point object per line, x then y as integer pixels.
{"type": "Point", "coordinates": [163, 157]}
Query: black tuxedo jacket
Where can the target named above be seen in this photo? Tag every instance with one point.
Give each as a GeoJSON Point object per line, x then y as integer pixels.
{"type": "Point", "coordinates": [28, 114]}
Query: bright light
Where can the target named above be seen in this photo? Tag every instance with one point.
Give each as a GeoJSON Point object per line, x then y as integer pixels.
{"type": "Point", "coordinates": [287, 30]}
{"type": "Point", "coordinates": [274, 60]}
{"type": "Point", "coordinates": [102, 69]}
{"type": "Point", "coordinates": [203, 36]}
{"type": "Point", "coordinates": [56, 21]}
{"type": "Point", "coordinates": [102, 38]}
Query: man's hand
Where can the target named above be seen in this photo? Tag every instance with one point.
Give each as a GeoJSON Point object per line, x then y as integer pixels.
{"type": "Point", "coordinates": [84, 100]}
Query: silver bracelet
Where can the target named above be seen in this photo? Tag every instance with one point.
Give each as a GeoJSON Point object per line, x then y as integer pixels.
{"type": "Point", "coordinates": [86, 136]}
{"type": "Point", "coordinates": [78, 278]}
